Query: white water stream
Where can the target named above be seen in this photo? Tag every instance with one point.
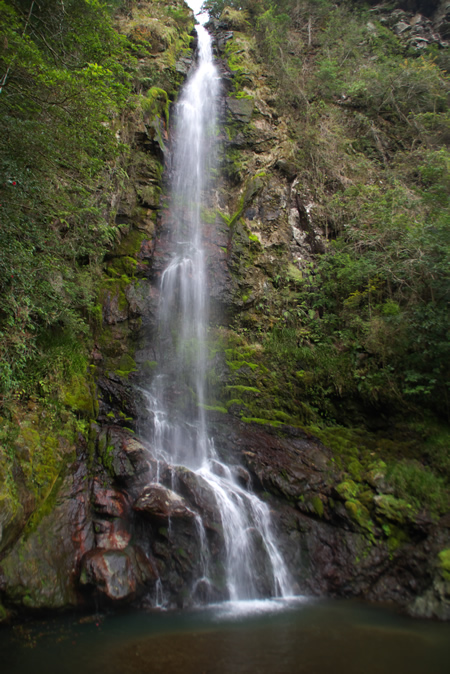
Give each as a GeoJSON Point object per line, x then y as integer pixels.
{"type": "Point", "coordinates": [177, 396]}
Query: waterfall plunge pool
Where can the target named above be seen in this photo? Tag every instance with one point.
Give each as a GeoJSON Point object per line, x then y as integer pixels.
{"type": "Point", "coordinates": [297, 636]}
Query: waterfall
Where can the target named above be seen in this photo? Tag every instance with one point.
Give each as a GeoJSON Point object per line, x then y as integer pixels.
{"type": "Point", "coordinates": [177, 394]}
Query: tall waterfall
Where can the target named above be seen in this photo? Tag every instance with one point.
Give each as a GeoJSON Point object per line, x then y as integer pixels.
{"type": "Point", "coordinates": [177, 394]}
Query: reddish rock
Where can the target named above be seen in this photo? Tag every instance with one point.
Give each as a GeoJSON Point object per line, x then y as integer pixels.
{"type": "Point", "coordinates": [110, 502]}
{"type": "Point", "coordinates": [119, 574]}
{"type": "Point", "coordinates": [160, 502]}
{"type": "Point", "coordinates": [112, 534]}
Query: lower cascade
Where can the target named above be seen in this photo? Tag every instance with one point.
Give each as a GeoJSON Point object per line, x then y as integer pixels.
{"type": "Point", "coordinates": [238, 556]}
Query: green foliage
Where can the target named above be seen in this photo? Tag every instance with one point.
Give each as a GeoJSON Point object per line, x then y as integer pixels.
{"type": "Point", "coordinates": [65, 76]}
{"type": "Point", "coordinates": [419, 486]}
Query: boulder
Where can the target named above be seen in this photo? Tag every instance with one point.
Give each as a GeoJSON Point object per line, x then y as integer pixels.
{"type": "Point", "coordinates": [161, 503]}
{"type": "Point", "coordinates": [118, 574]}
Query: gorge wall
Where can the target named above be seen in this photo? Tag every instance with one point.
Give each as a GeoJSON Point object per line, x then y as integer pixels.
{"type": "Point", "coordinates": [318, 423]}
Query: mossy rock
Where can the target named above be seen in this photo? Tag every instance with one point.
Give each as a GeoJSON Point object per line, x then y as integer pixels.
{"type": "Point", "coordinates": [149, 195]}
{"type": "Point", "coordinates": [146, 167]}
{"type": "Point", "coordinates": [127, 364]}
{"type": "Point", "coordinates": [240, 109]}
{"type": "Point", "coordinates": [348, 489]}
{"type": "Point", "coordinates": [234, 19]}
{"type": "Point", "coordinates": [394, 509]}
{"type": "Point", "coordinates": [444, 563]}
{"type": "Point", "coordinates": [78, 396]}
{"type": "Point", "coordinates": [120, 266]}
{"type": "Point", "coordinates": [130, 245]}
{"type": "Point", "coordinates": [318, 506]}
{"type": "Point", "coordinates": [359, 514]}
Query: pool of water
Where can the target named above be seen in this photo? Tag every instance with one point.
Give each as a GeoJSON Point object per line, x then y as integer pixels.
{"type": "Point", "coordinates": [281, 637]}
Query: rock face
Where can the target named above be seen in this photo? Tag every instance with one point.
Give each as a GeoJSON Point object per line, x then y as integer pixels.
{"type": "Point", "coordinates": [42, 570]}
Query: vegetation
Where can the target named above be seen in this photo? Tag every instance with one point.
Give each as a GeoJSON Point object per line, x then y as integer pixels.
{"type": "Point", "coordinates": [368, 320]}
{"type": "Point", "coordinates": [75, 76]}
{"type": "Point", "coordinates": [69, 81]}
{"type": "Point", "coordinates": [65, 78]}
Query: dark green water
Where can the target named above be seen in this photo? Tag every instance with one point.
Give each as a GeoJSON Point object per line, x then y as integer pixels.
{"type": "Point", "coordinates": [317, 637]}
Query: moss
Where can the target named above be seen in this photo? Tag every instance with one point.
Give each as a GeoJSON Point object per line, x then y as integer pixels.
{"type": "Point", "coordinates": [127, 363]}
{"type": "Point", "coordinates": [396, 536]}
{"type": "Point", "coordinates": [157, 103]}
{"type": "Point", "coordinates": [243, 94]}
{"type": "Point", "coordinates": [235, 19]}
{"type": "Point", "coordinates": [355, 469]}
{"type": "Point", "coordinates": [279, 415]}
{"type": "Point", "coordinates": [234, 401]}
{"type": "Point", "coordinates": [237, 365]}
{"type": "Point", "coordinates": [444, 563]}
{"type": "Point", "coordinates": [46, 506]}
{"type": "Point", "coordinates": [394, 509]}
{"type": "Point", "coordinates": [121, 266]}
{"type": "Point", "coordinates": [318, 506]}
{"type": "Point", "coordinates": [182, 553]}
{"type": "Point", "coordinates": [263, 422]}
{"type": "Point", "coordinates": [77, 395]}
{"type": "Point", "coordinates": [107, 457]}
{"type": "Point", "coordinates": [208, 215]}
{"type": "Point", "coordinates": [215, 408]}
{"type": "Point", "coordinates": [148, 367]}
{"type": "Point", "coordinates": [240, 388]}
{"type": "Point", "coordinates": [149, 195]}
{"type": "Point", "coordinates": [348, 489]}
{"type": "Point", "coordinates": [359, 514]}
{"type": "Point", "coordinates": [130, 245]}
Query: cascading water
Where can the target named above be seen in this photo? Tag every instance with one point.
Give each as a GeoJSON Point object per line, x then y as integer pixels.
{"type": "Point", "coordinates": [177, 396]}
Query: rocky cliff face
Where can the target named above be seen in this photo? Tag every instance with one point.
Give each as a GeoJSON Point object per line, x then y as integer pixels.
{"type": "Point", "coordinates": [102, 533]}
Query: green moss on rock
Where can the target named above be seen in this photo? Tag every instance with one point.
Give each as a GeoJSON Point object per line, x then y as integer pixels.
{"type": "Point", "coordinates": [318, 506]}
{"type": "Point", "coordinates": [127, 364]}
{"type": "Point", "coordinates": [444, 563]}
{"type": "Point", "coordinates": [78, 396]}
{"type": "Point", "coordinates": [394, 509]}
{"type": "Point", "coordinates": [348, 489]}
{"type": "Point", "coordinates": [359, 514]}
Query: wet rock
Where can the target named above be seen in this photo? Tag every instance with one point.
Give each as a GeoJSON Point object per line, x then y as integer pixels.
{"type": "Point", "coordinates": [118, 574]}
{"type": "Point", "coordinates": [117, 393]}
{"type": "Point", "coordinates": [138, 298]}
{"type": "Point", "coordinates": [41, 571]}
{"type": "Point", "coordinates": [435, 602]}
{"type": "Point", "coordinates": [161, 503]}
{"type": "Point", "coordinates": [12, 521]}
{"type": "Point", "coordinates": [108, 502]}
{"type": "Point", "coordinates": [126, 459]}
{"type": "Point", "coordinates": [112, 534]}
{"type": "Point", "coordinates": [198, 493]}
